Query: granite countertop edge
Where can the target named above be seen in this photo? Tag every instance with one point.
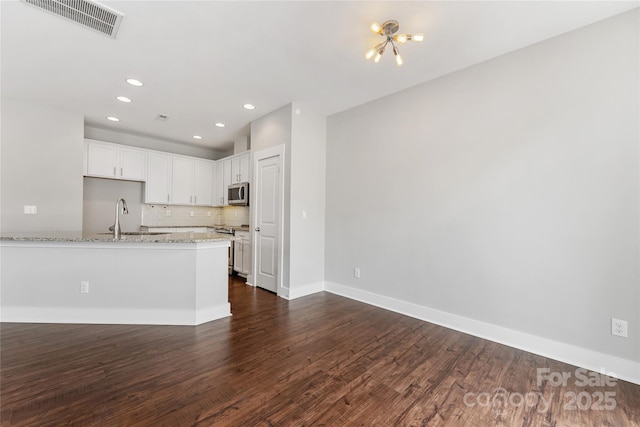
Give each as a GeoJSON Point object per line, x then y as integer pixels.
{"type": "Point", "coordinates": [108, 238]}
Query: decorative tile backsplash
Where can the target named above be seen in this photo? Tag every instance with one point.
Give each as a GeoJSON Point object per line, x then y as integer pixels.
{"type": "Point", "coordinates": [172, 216]}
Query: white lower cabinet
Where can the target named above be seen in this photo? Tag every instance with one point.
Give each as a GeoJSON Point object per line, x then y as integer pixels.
{"type": "Point", "coordinates": [242, 254]}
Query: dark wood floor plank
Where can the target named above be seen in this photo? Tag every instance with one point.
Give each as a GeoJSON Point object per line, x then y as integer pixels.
{"type": "Point", "coordinates": [317, 360]}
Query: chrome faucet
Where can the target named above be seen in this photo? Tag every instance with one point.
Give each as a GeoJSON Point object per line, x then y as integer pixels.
{"type": "Point", "coordinates": [116, 227]}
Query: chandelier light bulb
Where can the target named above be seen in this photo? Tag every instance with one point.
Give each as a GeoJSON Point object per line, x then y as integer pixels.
{"type": "Point", "coordinates": [397, 55]}
{"type": "Point", "coordinates": [370, 53]}
{"type": "Point", "coordinates": [401, 38]}
{"type": "Point", "coordinates": [375, 27]}
{"type": "Point", "coordinates": [377, 58]}
{"type": "Point", "coordinates": [417, 37]}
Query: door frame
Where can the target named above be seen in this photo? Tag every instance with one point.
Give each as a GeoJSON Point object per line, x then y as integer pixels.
{"type": "Point", "coordinates": [275, 151]}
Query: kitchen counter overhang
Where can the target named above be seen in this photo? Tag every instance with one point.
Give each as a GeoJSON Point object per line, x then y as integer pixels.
{"type": "Point", "coordinates": [143, 237]}
{"type": "Point", "coordinates": [170, 279]}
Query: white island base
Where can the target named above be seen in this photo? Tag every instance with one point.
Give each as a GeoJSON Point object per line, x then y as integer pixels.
{"type": "Point", "coordinates": [128, 282]}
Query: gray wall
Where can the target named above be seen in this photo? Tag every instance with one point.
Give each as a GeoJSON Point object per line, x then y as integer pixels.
{"type": "Point", "coordinates": [308, 184]}
{"type": "Point", "coordinates": [42, 156]}
{"type": "Point", "coordinates": [303, 132]}
{"type": "Point", "coordinates": [507, 192]}
{"type": "Point", "coordinates": [269, 131]}
{"type": "Point", "coordinates": [100, 196]}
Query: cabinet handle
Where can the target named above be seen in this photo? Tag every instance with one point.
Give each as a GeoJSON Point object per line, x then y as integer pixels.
{"type": "Point", "coordinates": [195, 200]}
{"type": "Point", "coordinates": [114, 171]}
{"type": "Point", "coordinates": [167, 198]}
{"type": "Point", "coordinates": [120, 171]}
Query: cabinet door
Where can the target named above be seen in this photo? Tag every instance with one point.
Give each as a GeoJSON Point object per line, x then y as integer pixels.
{"type": "Point", "coordinates": [182, 182]}
{"type": "Point", "coordinates": [158, 186]}
{"type": "Point", "coordinates": [243, 170]}
{"type": "Point", "coordinates": [246, 257]}
{"type": "Point", "coordinates": [203, 183]}
{"type": "Point", "coordinates": [132, 164]}
{"type": "Point", "coordinates": [226, 180]}
{"type": "Point", "coordinates": [219, 182]}
{"type": "Point", "coordinates": [235, 170]}
{"type": "Point", "coordinates": [240, 168]}
{"type": "Point", "coordinates": [102, 160]}
{"type": "Point", "coordinates": [237, 256]}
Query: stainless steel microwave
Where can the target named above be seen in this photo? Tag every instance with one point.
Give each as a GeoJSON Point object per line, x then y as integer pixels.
{"type": "Point", "coordinates": [238, 194]}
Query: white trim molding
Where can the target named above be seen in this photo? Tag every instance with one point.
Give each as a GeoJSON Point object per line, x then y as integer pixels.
{"type": "Point", "coordinates": [303, 291]}
{"type": "Point", "coordinates": [624, 369]}
{"type": "Point", "coordinates": [113, 316]}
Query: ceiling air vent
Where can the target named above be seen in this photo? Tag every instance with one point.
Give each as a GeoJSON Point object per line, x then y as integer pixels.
{"type": "Point", "coordinates": [84, 12]}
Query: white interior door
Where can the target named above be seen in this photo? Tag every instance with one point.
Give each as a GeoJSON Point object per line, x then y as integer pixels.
{"type": "Point", "coordinates": [267, 211]}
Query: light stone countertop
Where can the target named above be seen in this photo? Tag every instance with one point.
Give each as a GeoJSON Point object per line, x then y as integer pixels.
{"type": "Point", "coordinates": [74, 236]}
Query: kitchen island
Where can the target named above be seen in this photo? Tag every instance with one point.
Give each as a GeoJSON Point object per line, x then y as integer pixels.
{"type": "Point", "coordinates": [70, 277]}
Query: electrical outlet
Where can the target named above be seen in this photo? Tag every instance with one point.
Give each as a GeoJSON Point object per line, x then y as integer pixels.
{"type": "Point", "coordinates": [168, 212]}
{"type": "Point", "coordinates": [356, 273]}
{"type": "Point", "coordinates": [208, 213]}
{"type": "Point", "coordinates": [619, 327]}
{"type": "Point", "coordinates": [84, 287]}
{"type": "Point", "coordinates": [30, 210]}
{"type": "Point", "coordinates": [192, 213]}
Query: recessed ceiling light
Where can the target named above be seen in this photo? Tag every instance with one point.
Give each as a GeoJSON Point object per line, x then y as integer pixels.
{"type": "Point", "coordinates": [134, 82]}
{"type": "Point", "coordinates": [113, 119]}
{"type": "Point", "coordinates": [123, 99]}
{"type": "Point", "coordinates": [249, 106]}
{"type": "Point", "coordinates": [220, 125]}
{"type": "Point", "coordinates": [197, 137]}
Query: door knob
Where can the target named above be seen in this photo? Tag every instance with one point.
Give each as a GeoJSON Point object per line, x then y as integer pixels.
{"type": "Point", "coordinates": [258, 229]}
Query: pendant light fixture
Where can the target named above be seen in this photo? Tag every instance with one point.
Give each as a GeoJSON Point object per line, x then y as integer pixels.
{"type": "Point", "coordinates": [388, 30]}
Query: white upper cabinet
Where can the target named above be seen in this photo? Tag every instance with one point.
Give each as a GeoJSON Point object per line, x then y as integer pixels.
{"type": "Point", "coordinates": [171, 179]}
{"type": "Point", "coordinates": [158, 186]}
{"type": "Point", "coordinates": [203, 183]}
{"type": "Point", "coordinates": [230, 170]}
{"type": "Point", "coordinates": [220, 193]}
{"type": "Point", "coordinates": [240, 168]}
{"type": "Point", "coordinates": [227, 180]}
{"type": "Point", "coordinates": [115, 161]}
{"type": "Point", "coordinates": [182, 182]}
{"type": "Point", "coordinates": [192, 182]}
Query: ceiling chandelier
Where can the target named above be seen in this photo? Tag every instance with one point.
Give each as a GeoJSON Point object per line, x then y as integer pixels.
{"type": "Point", "coordinates": [388, 30]}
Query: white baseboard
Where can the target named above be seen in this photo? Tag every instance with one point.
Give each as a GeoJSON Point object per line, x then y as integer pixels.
{"type": "Point", "coordinates": [212, 313]}
{"type": "Point", "coordinates": [624, 369]}
{"type": "Point", "coordinates": [303, 291]}
{"type": "Point", "coordinates": [112, 316]}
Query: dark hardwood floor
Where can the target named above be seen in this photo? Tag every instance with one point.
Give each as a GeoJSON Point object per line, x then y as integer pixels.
{"type": "Point", "coordinates": [321, 360]}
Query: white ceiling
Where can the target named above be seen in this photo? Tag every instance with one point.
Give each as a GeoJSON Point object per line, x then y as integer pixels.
{"type": "Point", "coordinates": [202, 60]}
